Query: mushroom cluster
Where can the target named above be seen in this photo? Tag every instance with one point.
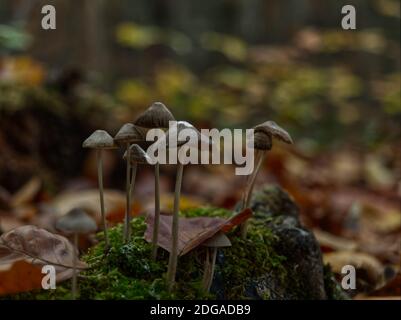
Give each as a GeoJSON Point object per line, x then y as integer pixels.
{"type": "Point", "coordinates": [132, 138]}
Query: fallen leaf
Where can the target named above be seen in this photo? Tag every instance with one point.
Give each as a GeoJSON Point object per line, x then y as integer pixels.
{"type": "Point", "coordinates": [392, 287]}
{"type": "Point", "coordinates": [26, 193]}
{"type": "Point", "coordinates": [20, 276]}
{"type": "Point", "coordinates": [8, 223]}
{"type": "Point", "coordinates": [368, 268]}
{"type": "Point", "coordinates": [330, 241]}
{"type": "Point", "coordinates": [377, 174]}
{"type": "Point", "coordinates": [24, 250]}
{"type": "Point", "coordinates": [192, 231]}
{"type": "Point", "coordinates": [114, 202]}
{"type": "Point", "coordinates": [237, 220]}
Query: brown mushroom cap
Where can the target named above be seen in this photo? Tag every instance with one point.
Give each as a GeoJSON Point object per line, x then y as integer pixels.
{"type": "Point", "coordinates": [156, 116]}
{"type": "Point", "coordinates": [273, 129]}
{"type": "Point", "coordinates": [137, 155]}
{"type": "Point", "coordinates": [99, 139]}
{"type": "Point", "coordinates": [261, 141]}
{"type": "Point", "coordinates": [128, 133]}
{"type": "Point", "coordinates": [219, 240]}
{"type": "Point", "coordinates": [76, 221]}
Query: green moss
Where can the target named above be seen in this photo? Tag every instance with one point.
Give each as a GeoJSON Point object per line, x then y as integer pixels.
{"type": "Point", "coordinates": [333, 289]}
{"type": "Point", "coordinates": [128, 273]}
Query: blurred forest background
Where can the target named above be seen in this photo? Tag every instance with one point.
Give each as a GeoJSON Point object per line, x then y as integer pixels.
{"type": "Point", "coordinates": [223, 64]}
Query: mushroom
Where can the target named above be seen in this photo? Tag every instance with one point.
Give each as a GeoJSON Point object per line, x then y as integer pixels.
{"type": "Point", "coordinates": [263, 141]}
{"type": "Point", "coordinates": [219, 240]}
{"type": "Point", "coordinates": [125, 136]}
{"type": "Point", "coordinates": [137, 156]}
{"type": "Point", "coordinates": [76, 222]}
{"type": "Point", "coordinates": [156, 116]}
{"type": "Point", "coordinates": [100, 140]}
{"type": "Point", "coordinates": [200, 140]}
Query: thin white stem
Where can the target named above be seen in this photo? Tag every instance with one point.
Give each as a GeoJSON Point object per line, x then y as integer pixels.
{"type": "Point", "coordinates": [157, 212]}
{"type": "Point", "coordinates": [252, 184]}
{"type": "Point", "coordinates": [243, 199]}
{"type": "Point", "coordinates": [261, 157]}
{"type": "Point", "coordinates": [131, 194]}
{"type": "Point", "coordinates": [211, 274]}
{"type": "Point", "coordinates": [172, 266]}
{"type": "Point", "coordinates": [206, 270]}
{"type": "Point", "coordinates": [128, 197]}
{"type": "Point", "coordinates": [74, 275]}
{"type": "Point", "coordinates": [100, 182]}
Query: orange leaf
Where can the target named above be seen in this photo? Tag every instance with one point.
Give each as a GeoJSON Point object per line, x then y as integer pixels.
{"type": "Point", "coordinates": [24, 250]}
{"type": "Point", "coordinates": [19, 277]}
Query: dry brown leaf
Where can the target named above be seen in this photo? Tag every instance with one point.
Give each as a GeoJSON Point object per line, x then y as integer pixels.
{"type": "Point", "coordinates": [381, 218]}
{"type": "Point", "coordinates": [114, 202]}
{"type": "Point", "coordinates": [8, 223]}
{"type": "Point", "coordinates": [26, 193]}
{"type": "Point", "coordinates": [192, 231]}
{"type": "Point", "coordinates": [372, 268]}
{"type": "Point", "coordinates": [376, 211]}
{"type": "Point", "coordinates": [237, 220]}
{"type": "Point", "coordinates": [25, 250]}
{"type": "Point", "coordinates": [330, 241]}
{"type": "Point", "coordinates": [21, 276]}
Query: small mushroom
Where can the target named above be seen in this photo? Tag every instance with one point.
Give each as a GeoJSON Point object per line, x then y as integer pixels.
{"type": "Point", "coordinates": [125, 136]}
{"type": "Point", "coordinates": [76, 222]}
{"type": "Point", "coordinates": [200, 140]}
{"type": "Point", "coordinates": [156, 116]}
{"type": "Point", "coordinates": [137, 156]}
{"type": "Point", "coordinates": [220, 240]}
{"type": "Point", "coordinates": [263, 142]}
{"type": "Point", "coordinates": [100, 140]}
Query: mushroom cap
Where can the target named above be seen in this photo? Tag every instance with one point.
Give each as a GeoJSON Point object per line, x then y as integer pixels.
{"type": "Point", "coordinates": [219, 240]}
{"type": "Point", "coordinates": [128, 133]}
{"type": "Point", "coordinates": [273, 129]}
{"type": "Point", "coordinates": [76, 221]}
{"type": "Point", "coordinates": [99, 139]}
{"type": "Point", "coordinates": [137, 155]}
{"type": "Point", "coordinates": [261, 141]}
{"type": "Point", "coordinates": [193, 135]}
{"type": "Point", "coordinates": [156, 116]}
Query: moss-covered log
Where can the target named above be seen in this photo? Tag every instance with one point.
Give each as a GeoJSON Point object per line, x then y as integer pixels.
{"type": "Point", "coordinates": [280, 259]}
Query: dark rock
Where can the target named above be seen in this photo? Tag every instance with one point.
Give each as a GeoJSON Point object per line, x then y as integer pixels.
{"type": "Point", "coordinates": [304, 276]}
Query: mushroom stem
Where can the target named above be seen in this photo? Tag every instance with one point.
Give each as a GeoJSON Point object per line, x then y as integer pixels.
{"type": "Point", "coordinates": [74, 275]}
{"type": "Point", "coordinates": [157, 212]}
{"type": "Point", "coordinates": [131, 188]}
{"type": "Point", "coordinates": [247, 200]}
{"type": "Point", "coordinates": [206, 270]}
{"type": "Point", "coordinates": [128, 196]}
{"type": "Point", "coordinates": [172, 266]}
{"type": "Point", "coordinates": [100, 182]}
{"type": "Point", "coordinates": [209, 270]}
